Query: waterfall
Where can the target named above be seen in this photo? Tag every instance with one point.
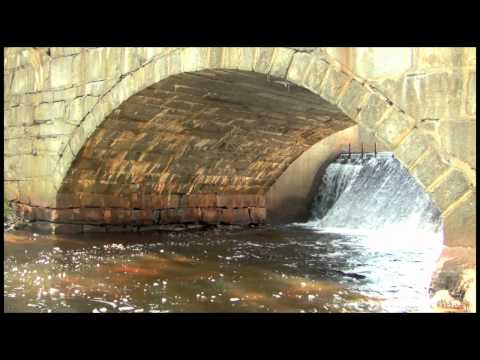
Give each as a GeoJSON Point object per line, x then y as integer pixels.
{"type": "Point", "coordinates": [374, 195]}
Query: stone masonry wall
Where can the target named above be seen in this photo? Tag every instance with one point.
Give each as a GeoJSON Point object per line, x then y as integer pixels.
{"type": "Point", "coordinates": [55, 99]}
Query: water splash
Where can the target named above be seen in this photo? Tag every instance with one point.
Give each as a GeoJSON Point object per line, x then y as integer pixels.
{"type": "Point", "coordinates": [374, 195]}
{"type": "Point", "coordinates": [390, 219]}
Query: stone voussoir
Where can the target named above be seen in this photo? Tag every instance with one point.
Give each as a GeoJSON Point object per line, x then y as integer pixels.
{"type": "Point", "coordinates": [447, 190]}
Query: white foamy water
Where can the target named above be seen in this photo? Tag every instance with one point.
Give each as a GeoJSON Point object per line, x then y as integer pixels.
{"type": "Point", "coordinates": [384, 215]}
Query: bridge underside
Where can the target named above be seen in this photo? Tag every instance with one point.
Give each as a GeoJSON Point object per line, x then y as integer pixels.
{"type": "Point", "coordinates": [196, 147]}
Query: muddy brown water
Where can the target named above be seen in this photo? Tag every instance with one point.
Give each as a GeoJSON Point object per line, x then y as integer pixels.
{"type": "Point", "coordinates": [271, 269]}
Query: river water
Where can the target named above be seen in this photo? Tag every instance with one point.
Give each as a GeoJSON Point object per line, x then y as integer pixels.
{"type": "Point", "coordinates": [368, 247]}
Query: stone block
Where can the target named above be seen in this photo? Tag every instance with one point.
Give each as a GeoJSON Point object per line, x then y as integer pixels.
{"type": "Point", "coordinates": [238, 200]}
{"type": "Point", "coordinates": [427, 58]}
{"type": "Point", "coordinates": [263, 59]}
{"type": "Point", "coordinates": [298, 69]}
{"type": "Point", "coordinates": [113, 65]}
{"type": "Point", "coordinates": [459, 139]}
{"type": "Point", "coordinates": [395, 126]}
{"type": "Point", "coordinates": [234, 216]}
{"type": "Point", "coordinates": [17, 146]}
{"type": "Point", "coordinates": [92, 215]}
{"type": "Point", "coordinates": [49, 145]}
{"type": "Point", "coordinates": [194, 59]}
{"type": "Point", "coordinates": [23, 81]}
{"type": "Point", "coordinates": [413, 146]}
{"type": "Point", "coordinates": [427, 170]}
{"type": "Point", "coordinates": [95, 65]}
{"type": "Point", "coordinates": [21, 115]}
{"type": "Point", "coordinates": [50, 111]}
{"type": "Point", "coordinates": [215, 57]}
{"type": "Point", "coordinates": [333, 84]}
{"type": "Point", "coordinates": [210, 215]}
{"type": "Point", "coordinates": [130, 60]}
{"type": "Point", "coordinates": [258, 215]}
{"type": "Point", "coordinates": [373, 111]}
{"type": "Point", "coordinates": [143, 216]}
{"type": "Point", "coordinates": [174, 63]}
{"type": "Point", "coordinates": [117, 216]}
{"type": "Point", "coordinates": [353, 98]}
{"type": "Point", "coordinates": [231, 57]}
{"type": "Point", "coordinates": [61, 72]}
{"type": "Point", "coordinates": [282, 59]}
{"type": "Point", "coordinates": [77, 109]}
{"type": "Point", "coordinates": [315, 75]}
{"type": "Point", "coordinates": [450, 189]}
{"type": "Point", "coordinates": [89, 198]}
{"type": "Point", "coordinates": [199, 200]}
{"type": "Point", "coordinates": [471, 95]}
{"type": "Point", "coordinates": [460, 224]}
{"type": "Point", "coordinates": [247, 58]}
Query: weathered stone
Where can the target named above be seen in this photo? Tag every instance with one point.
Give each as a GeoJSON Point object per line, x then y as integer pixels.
{"type": "Point", "coordinates": [45, 112]}
{"type": "Point", "coordinates": [247, 58]}
{"type": "Point", "coordinates": [373, 111]}
{"type": "Point", "coordinates": [17, 147]}
{"type": "Point", "coordinates": [49, 145]}
{"type": "Point", "coordinates": [459, 139]}
{"type": "Point", "coordinates": [460, 224]}
{"type": "Point", "coordinates": [23, 81]}
{"type": "Point", "coordinates": [450, 189]}
{"type": "Point", "coordinates": [194, 59]}
{"type": "Point", "coordinates": [395, 126]}
{"type": "Point", "coordinates": [298, 68]}
{"type": "Point", "coordinates": [199, 200]}
{"type": "Point", "coordinates": [353, 98]}
{"type": "Point", "coordinates": [92, 215]}
{"type": "Point", "coordinates": [79, 107]}
{"type": "Point", "coordinates": [333, 84]}
{"type": "Point", "coordinates": [413, 146]}
{"type": "Point", "coordinates": [61, 72]}
{"type": "Point", "coordinates": [143, 217]}
{"type": "Point", "coordinates": [282, 59]}
{"type": "Point", "coordinates": [471, 96]}
{"type": "Point", "coordinates": [315, 75]}
{"type": "Point", "coordinates": [234, 216]}
{"type": "Point", "coordinates": [438, 57]}
{"type": "Point", "coordinates": [210, 215]}
{"type": "Point", "coordinates": [258, 215]}
{"type": "Point", "coordinates": [263, 60]}
{"type": "Point", "coordinates": [97, 66]}
{"type": "Point", "coordinates": [238, 200]}
{"type": "Point", "coordinates": [429, 168]}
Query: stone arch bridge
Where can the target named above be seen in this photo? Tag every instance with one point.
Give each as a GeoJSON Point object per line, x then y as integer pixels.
{"type": "Point", "coordinates": [115, 136]}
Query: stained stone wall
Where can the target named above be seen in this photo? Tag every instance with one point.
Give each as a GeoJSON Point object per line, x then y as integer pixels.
{"type": "Point", "coordinates": [62, 104]}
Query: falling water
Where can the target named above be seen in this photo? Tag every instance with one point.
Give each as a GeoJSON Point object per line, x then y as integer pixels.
{"type": "Point", "coordinates": [389, 219]}
{"type": "Point", "coordinates": [372, 195]}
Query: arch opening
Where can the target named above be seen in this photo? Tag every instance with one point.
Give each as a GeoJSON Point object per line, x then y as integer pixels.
{"type": "Point", "coordinates": [200, 147]}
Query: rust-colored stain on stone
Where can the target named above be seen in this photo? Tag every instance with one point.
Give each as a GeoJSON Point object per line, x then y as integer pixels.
{"type": "Point", "coordinates": [196, 135]}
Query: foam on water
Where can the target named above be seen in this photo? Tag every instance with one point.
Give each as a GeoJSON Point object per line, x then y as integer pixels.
{"type": "Point", "coordinates": [388, 217]}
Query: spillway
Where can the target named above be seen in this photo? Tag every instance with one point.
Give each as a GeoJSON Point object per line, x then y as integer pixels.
{"type": "Point", "coordinates": [372, 195]}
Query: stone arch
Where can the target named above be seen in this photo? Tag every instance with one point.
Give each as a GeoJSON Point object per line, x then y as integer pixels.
{"type": "Point", "coordinates": [451, 185]}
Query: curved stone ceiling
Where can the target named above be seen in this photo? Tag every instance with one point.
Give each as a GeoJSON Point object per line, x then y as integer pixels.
{"type": "Point", "coordinates": [209, 133]}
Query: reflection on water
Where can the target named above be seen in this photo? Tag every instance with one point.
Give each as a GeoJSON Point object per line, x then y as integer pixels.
{"type": "Point", "coordinates": [276, 269]}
